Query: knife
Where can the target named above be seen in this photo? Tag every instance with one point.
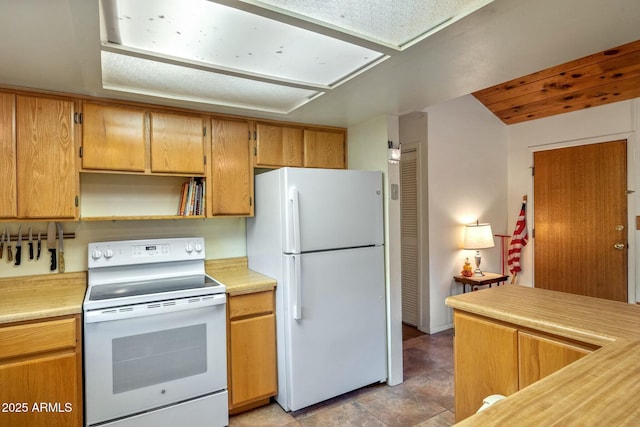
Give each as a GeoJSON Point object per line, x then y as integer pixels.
{"type": "Point", "coordinates": [30, 244]}
{"type": "Point", "coordinates": [61, 250]}
{"type": "Point", "coordinates": [9, 253]}
{"type": "Point", "coordinates": [1, 245]}
{"type": "Point", "coordinates": [51, 244]}
{"type": "Point", "coordinates": [39, 246]}
{"type": "Point", "coordinates": [19, 247]}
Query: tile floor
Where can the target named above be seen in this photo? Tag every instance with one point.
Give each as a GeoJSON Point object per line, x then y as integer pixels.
{"type": "Point", "coordinates": [424, 399]}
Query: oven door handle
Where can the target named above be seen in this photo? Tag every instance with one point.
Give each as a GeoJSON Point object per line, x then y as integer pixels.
{"type": "Point", "coordinates": [153, 308]}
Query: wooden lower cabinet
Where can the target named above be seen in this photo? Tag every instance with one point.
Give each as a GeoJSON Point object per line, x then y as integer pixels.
{"type": "Point", "coordinates": [493, 357]}
{"type": "Point", "coordinates": [41, 373]}
{"type": "Point", "coordinates": [540, 356]}
{"type": "Point", "coordinates": [485, 360]}
{"type": "Point", "coordinates": [251, 349]}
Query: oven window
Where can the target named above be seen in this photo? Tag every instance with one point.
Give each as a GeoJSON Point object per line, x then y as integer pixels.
{"type": "Point", "coordinates": [153, 358]}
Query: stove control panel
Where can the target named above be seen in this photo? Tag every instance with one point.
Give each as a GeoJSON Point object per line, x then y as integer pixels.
{"type": "Point", "coordinates": [130, 252]}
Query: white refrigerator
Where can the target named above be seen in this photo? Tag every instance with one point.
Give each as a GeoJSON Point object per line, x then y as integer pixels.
{"type": "Point", "coordinates": [319, 233]}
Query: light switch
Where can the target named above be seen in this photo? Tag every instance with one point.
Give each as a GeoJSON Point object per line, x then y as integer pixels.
{"type": "Point", "coordinates": [395, 191]}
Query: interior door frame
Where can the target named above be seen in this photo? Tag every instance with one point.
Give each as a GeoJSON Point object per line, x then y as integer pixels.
{"type": "Point", "coordinates": [632, 143]}
{"type": "Point", "coordinates": [423, 312]}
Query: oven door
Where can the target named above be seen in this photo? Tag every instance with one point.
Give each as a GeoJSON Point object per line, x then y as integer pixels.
{"type": "Point", "coordinates": [146, 356]}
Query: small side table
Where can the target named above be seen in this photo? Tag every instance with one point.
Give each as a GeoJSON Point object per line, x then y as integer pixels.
{"type": "Point", "coordinates": [475, 281]}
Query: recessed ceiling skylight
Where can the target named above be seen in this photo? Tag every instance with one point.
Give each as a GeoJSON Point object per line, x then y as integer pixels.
{"type": "Point", "coordinates": [272, 55]}
{"type": "Point", "coordinates": [394, 23]}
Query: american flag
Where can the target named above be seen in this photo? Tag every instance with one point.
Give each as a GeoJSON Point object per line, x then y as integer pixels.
{"type": "Point", "coordinates": [518, 241]}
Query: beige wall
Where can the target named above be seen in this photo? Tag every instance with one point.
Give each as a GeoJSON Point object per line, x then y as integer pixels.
{"type": "Point", "coordinates": [224, 237]}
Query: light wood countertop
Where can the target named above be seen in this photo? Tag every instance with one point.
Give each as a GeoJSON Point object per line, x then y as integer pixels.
{"type": "Point", "coordinates": [37, 297]}
{"type": "Point", "coordinates": [602, 388]}
{"type": "Point", "coordinates": [236, 276]}
{"type": "Point", "coordinates": [49, 295]}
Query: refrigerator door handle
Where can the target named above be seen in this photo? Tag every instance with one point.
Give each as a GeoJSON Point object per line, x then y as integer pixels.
{"type": "Point", "coordinates": [297, 282]}
{"type": "Point", "coordinates": [295, 220]}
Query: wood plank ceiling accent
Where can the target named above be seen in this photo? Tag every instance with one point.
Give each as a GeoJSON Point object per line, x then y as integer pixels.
{"type": "Point", "coordinates": [609, 76]}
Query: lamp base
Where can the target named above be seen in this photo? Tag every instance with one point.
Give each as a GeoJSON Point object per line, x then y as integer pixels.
{"type": "Point", "coordinates": [477, 271]}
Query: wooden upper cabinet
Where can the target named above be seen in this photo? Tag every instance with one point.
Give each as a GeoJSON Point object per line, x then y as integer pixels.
{"type": "Point", "coordinates": [324, 149]}
{"type": "Point", "coordinates": [177, 144]}
{"type": "Point", "coordinates": [230, 187]}
{"type": "Point", "coordinates": [113, 138]}
{"type": "Point", "coordinates": [47, 178]}
{"type": "Point", "coordinates": [278, 146]}
{"type": "Point", "coordinates": [8, 195]}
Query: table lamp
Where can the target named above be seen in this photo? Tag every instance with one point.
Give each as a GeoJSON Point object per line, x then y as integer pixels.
{"type": "Point", "coordinates": [478, 236]}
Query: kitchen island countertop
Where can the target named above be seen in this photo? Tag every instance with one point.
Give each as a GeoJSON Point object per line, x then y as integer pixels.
{"type": "Point", "coordinates": [602, 388]}
{"type": "Point", "coordinates": [37, 297]}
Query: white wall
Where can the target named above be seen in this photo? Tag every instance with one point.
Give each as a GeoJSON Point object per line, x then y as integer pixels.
{"type": "Point", "coordinates": [224, 237]}
{"type": "Point", "coordinates": [606, 123]}
{"type": "Point", "coordinates": [368, 150]}
{"type": "Point", "coordinates": [467, 175]}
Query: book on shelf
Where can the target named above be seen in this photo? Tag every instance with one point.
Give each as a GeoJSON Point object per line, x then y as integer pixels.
{"type": "Point", "coordinates": [192, 198]}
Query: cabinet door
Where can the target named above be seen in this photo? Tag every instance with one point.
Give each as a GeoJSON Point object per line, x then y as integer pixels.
{"type": "Point", "coordinates": [42, 392]}
{"type": "Point", "coordinates": [485, 362]}
{"type": "Point", "coordinates": [324, 149]}
{"type": "Point", "coordinates": [8, 202]}
{"type": "Point", "coordinates": [231, 188]}
{"type": "Point", "coordinates": [47, 174]}
{"type": "Point", "coordinates": [253, 359]}
{"type": "Point", "coordinates": [113, 138]}
{"type": "Point", "coordinates": [278, 146]}
{"type": "Point", "coordinates": [541, 356]}
{"type": "Point", "coordinates": [177, 144]}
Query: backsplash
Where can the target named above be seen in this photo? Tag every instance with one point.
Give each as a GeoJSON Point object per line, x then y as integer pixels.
{"type": "Point", "coordinates": [224, 238]}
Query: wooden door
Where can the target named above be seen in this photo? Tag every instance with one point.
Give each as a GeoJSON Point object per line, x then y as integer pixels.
{"type": "Point", "coordinates": [231, 186]}
{"type": "Point", "coordinates": [8, 202]}
{"type": "Point", "coordinates": [278, 146]}
{"type": "Point", "coordinates": [113, 138]}
{"type": "Point", "coordinates": [485, 362]}
{"type": "Point", "coordinates": [580, 220]}
{"type": "Point", "coordinates": [177, 144]}
{"type": "Point", "coordinates": [47, 177]}
{"type": "Point", "coordinates": [324, 149]}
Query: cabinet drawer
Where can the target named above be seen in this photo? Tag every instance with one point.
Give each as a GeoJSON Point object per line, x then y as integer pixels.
{"type": "Point", "coordinates": [250, 304]}
{"type": "Point", "coordinates": [33, 338]}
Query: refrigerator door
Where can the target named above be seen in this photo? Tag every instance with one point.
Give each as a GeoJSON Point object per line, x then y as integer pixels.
{"type": "Point", "coordinates": [330, 209]}
{"type": "Point", "coordinates": [335, 327]}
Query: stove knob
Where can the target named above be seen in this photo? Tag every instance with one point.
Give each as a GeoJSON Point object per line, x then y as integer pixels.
{"type": "Point", "coordinates": [108, 253]}
{"type": "Point", "coordinates": [96, 254]}
{"type": "Point", "coordinates": [189, 248]}
{"type": "Point", "coordinates": [198, 247]}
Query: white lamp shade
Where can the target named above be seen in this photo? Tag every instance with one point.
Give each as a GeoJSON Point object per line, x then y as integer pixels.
{"type": "Point", "coordinates": [478, 236]}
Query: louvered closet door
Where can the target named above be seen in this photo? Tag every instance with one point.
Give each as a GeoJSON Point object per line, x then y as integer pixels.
{"type": "Point", "coordinates": [410, 254]}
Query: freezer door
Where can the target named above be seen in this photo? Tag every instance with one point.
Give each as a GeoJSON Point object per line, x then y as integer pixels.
{"type": "Point", "coordinates": [335, 324]}
{"type": "Point", "coordinates": [331, 209]}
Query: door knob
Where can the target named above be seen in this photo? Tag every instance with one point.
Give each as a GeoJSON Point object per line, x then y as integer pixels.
{"type": "Point", "coordinates": [619, 246]}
